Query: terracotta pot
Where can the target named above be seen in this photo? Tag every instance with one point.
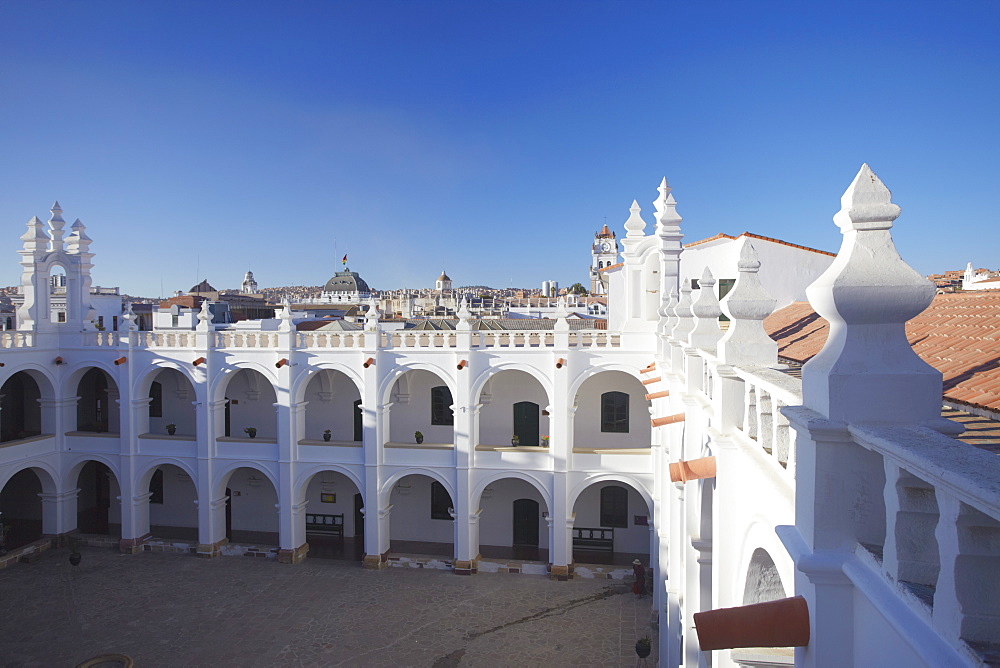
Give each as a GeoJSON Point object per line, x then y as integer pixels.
{"type": "Point", "coordinates": [781, 623]}
{"type": "Point", "coordinates": [696, 469]}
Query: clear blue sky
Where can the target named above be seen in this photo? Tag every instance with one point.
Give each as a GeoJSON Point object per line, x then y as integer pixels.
{"type": "Point", "coordinates": [490, 139]}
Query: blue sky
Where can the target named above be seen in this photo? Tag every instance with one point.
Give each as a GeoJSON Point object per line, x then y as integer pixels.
{"type": "Point", "coordinates": [491, 139]}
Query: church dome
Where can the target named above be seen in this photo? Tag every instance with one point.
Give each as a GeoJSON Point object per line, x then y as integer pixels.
{"type": "Point", "coordinates": [443, 276]}
{"type": "Point", "coordinates": [346, 281]}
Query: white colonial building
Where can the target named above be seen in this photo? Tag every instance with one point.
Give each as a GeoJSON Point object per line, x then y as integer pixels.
{"type": "Point", "coordinates": [840, 502]}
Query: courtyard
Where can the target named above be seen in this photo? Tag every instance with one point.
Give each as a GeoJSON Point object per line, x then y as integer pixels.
{"type": "Point", "coordinates": [174, 610]}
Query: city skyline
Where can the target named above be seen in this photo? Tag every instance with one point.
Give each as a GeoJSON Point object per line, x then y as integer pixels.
{"type": "Point", "coordinates": [490, 141]}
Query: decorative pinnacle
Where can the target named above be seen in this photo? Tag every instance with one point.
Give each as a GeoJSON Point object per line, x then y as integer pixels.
{"type": "Point", "coordinates": [660, 202]}
{"type": "Point", "coordinates": [866, 204]}
{"type": "Point", "coordinates": [55, 207]}
{"type": "Point", "coordinates": [748, 258]}
{"type": "Point", "coordinates": [635, 224]}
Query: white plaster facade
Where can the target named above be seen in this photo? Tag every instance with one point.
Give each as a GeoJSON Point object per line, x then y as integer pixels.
{"type": "Point", "coordinates": [844, 487]}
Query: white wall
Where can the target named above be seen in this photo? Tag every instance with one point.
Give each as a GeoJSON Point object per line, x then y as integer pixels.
{"type": "Point", "coordinates": [336, 483]}
{"type": "Point", "coordinates": [178, 508]}
{"type": "Point", "coordinates": [178, 395]}
{"type": "Point", "coordinates": [496, 523]}
{"type": "Point", "coordinates": [411, 513]}
{"type": "Point", "coordinates": [253, 501]}
{"type": "Point", "coordinates": [587, 418]}
{"type": "Point", "coordinates": [588, 514]}
{"type": "Point", "coordinates": [415, 414]}
{"type": "Point", "coordinates": [496, 419]}
{"type": "Point", "coordinates": [331, 396]}
{"type": "Point", "coordinates": [255, 408]}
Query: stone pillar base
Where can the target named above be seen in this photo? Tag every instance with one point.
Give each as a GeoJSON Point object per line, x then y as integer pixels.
{"type": "Point", "coordinates": [133, 545]}
{"type": "Point", "coordinates": [470, 567]}
{"type": "Point", "coordinates": [59, 540]}
{"type": "Point", "coordinates": [210, 550]}
{"type": "Point", "coordinates": [376, 561]}
{"type": "Point", "coordinates": [561, 573]}
{"type": "Point", "coordinates": [293, 556]}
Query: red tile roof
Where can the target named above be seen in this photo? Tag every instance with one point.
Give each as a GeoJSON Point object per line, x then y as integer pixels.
{"type": "Point", "coordinates": [757, 236]}
{"type": "Point", "coordinates": [958, 334]}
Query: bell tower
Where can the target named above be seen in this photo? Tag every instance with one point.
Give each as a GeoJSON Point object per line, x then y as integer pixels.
{"type": "Point", "coordinates": [603, 253]}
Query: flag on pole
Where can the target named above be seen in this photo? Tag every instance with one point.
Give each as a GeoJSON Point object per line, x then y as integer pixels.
{"type": "Point", "coordinates": [344, 261]}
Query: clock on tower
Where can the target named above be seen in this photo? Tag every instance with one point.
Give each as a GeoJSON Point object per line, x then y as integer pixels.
{"type": "Point", "coordinates": [604, 253]}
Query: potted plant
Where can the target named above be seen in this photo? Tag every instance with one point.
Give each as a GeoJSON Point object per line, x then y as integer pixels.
{"type": "Point", "coordinates": [516, 440]}
{"type": "Point", "coordinates": [327, 435]}
{"type": "Point", "coordinates": [545, 441]}
{"type": "Point", "coordinates": [643, 646]}
{"type": "Point", "coordinates": [74, 552]}
{"type": "Point", "coordinates": [171, 428]}
{"type": "Point", "coordinates": [251, 432]}
{"type": "Point", "coordinates": [418, 437]}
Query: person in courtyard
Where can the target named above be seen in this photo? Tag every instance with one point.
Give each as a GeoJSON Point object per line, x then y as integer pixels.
{"type": "Point", "coordinates": [639, 571]}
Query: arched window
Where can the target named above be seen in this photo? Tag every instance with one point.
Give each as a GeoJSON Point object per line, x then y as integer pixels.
{"type": "Point", "coordinates": [441, 412]}
{"type": "Point", "coordinates": [440, 502]}
{"type": "Point", "coordinates": [614, 412]}
{"type": "Point", "coordinates": [614, 507]}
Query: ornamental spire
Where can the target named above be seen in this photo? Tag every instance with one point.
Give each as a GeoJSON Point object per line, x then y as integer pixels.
{"type": "Point", "coordinates": [78, 242]}
{"type": "Point", "coordinates": [56, 224]}
{"type": "Point", "coordinates": [635, 224]}
{"type": "Point", "coordinates": [660, 203]}
{"type": "Point", "coordinates": [35, 239]}
{"type": "Point", "coordinates": [747, 304]}
{"type": "Point", "coordinates": [706, 332]}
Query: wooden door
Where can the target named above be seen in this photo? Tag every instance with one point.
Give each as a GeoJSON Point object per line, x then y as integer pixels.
{"type": "Point", "coordinates": [526, 522]}
{"type": "Point", "coordinates": [359, 517]}
{"type": "Point", "coordinates": [526, 422]}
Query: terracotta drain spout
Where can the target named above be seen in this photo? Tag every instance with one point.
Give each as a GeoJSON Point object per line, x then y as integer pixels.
{"type": "Point", "coordinates": [670, 419]}
{"type": "Point", "coordinates": [781, 623]}
{"type": "Point", "coordinates": [651, 367]}
{"type": "Point", "coordinates": [696, 469]}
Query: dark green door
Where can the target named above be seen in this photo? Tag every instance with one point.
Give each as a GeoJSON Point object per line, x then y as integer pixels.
{"type": "Point", "coordinates": [526, 422]}
{"type": "Point", "coordinates": [358, 429]}
{"type": "Point", "coordinates": [526, 522]}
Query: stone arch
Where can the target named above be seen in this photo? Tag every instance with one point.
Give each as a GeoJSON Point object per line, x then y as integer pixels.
{"type": "Point", "coordinates": [517, 404]}
{"type": "Point", "coordinates": [97, 506]}
{"type": "Point", "coordinates": [762, 581]}
{"type": "Point", "coordinates": [222, 476]}
{"type": "Point", "coordinates": [178, 393]}
{"type": "Point", "coordinates": [146, 472]}
{"type": "Point", "coordinates": [591, 371]}
{"type": "Point", "coordinates": [146, 375]}
{"type": "Point", "coordinates": [303, 480]}
{"type": "Point", "coordinates": [330, 395]}
{"type": "Point", "coordinates": [628, 416]}
{"type": "Point", "coordinates": [254, 407]}
{"type": "Point", "coordinates": [385, 390]}
{"type": "Point", "coordinates": [22, 412]}
{"type": "Point", "coordinates": [301, 383]}
{"type": "Point", "coordinates": [24, 515]}
{"type": "Point", "coordinates": [390, 482]}
{"type": "Point", "coordinates": [175, 514]}
{"type": "Point", "coordinates": [73, 471]}
{"type": "Point", "coordinates": [46, 475]}
{"type": "Point", "coordinates": [543, 490]}
{"type": "Point", "coordinates": [413, 387]}
{"type": "Point", "coordinates": [97, 390]}
{"type": "Point", "coordinates": [488, 374]}
{"type": "Point", "coordinates": [759, 537]}
{"type": "Point", "coordinates": [217, 391]}
{"type": "Point", "coordinates": [612, 477]}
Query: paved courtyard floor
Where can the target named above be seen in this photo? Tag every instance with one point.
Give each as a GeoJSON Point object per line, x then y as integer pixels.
{"type": "Point", "coordinates": [173, 610]}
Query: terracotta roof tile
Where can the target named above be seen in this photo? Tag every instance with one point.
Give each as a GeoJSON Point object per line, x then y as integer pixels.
{"type": "Point", "coordinates": [757, 236]}
{"type": "Point", "coordinates": [957, 335]}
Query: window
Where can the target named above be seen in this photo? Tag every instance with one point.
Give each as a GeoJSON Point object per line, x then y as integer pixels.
{"type": "Point", "coordinates": [61, 316]}
{"type": "Point", "coordinates": [614, 412]}
{"type": "Point", "coordinates": [114, 323]}
{"type": "Point", "coordinates": [441, 412]}
{"type": "Point", "coordinates": [725, 285]}
{"type": "Point", "coordinates": [440, 502]}
{"type": "Point", "coordinates": [175, 320]}
{"type": "Point", "coordinates": [155, 400]}
{"type": "Point", "coordinates": [614, 507]}
{"type": "Point", "coordinates": [100, 322]}
{"type": "Point", "coordinates": [156, 487]}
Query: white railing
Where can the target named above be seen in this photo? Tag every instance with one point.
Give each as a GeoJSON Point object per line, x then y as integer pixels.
{"type": "Point", "coordinates": [247, 339]}
{"type": "Point", "coordinates": [942, 527]}
{"type": "Point", "coordinates": [167, 339]}
{"type": "Point", "coordinates": [16, 339]}
{"type": "Point", "coordinates": [331, 339]}
{"type": "Point", "coordinates": [766, 391]}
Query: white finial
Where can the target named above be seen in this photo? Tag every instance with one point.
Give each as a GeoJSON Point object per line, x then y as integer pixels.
{"type": "Point", "coordinates": [706, 332]}
{"type": "Point", "coordinates": [669, 221]}
{"type": "Point", "coordinates": [371, 316]}
{"type": "Point", "coordinates": [464, 316]}
{"type": "Point", "coordinates": [561, 312]}
{"type": "Point", "coordinates": [35, 239]}
{"type": "Point", "coordinates": [78, 242]}
{"type": "Point", "coordinates": [130, 318]}
{"type": "Point", "coordinates": [866, 204]}
{"type": "Point", "coordinates": [684, 323]}
{"type": "Point", "coordinates": [660, 203]}
{"type": "Point", "coordinates": [635, 224]}
{"type": "Point", "coordinates": [746, 343]}
{"type": "Point", "coordinates": [56, 224]}
{"type": "Point", "coordinates": [204, 317]}
{"type": "Point", "coordinates": [867, 371]}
